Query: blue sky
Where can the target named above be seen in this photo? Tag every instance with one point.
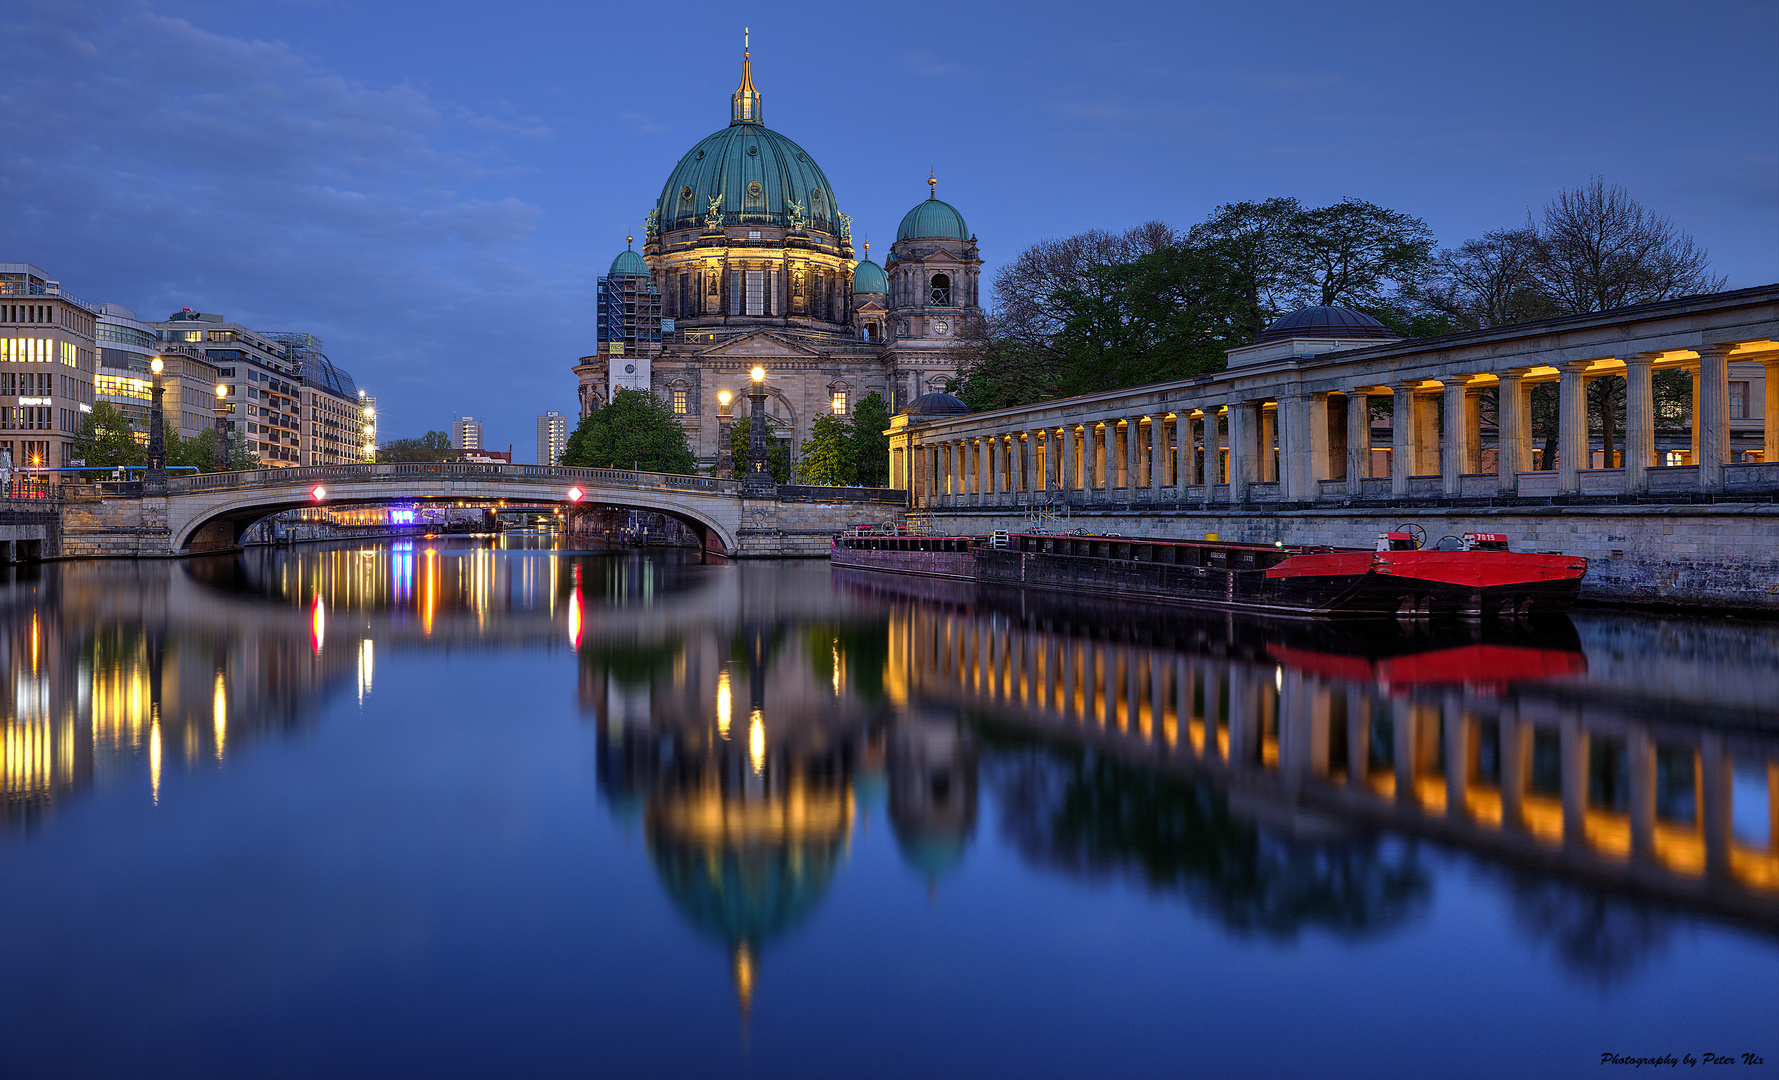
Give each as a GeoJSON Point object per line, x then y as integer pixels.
{"type": "Point", "coordinates": [432, 188]}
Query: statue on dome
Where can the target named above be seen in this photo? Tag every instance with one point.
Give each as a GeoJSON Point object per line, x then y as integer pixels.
{"type": "Point", "coordinates": [797, 220]}
{"type": "Point", "coordinates": [846, 227]}
{"type": "Point", "coordinates": [652, 226]}
{"type": "Point", "coordinates": [713, 218]}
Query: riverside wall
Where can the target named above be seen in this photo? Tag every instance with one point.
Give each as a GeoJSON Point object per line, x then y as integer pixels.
{"type": "Point", "coordinates": [1705, 557]}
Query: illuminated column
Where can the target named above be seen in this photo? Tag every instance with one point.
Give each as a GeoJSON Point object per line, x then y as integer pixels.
{"type": "Point", "coordinates": [1459, 438]}
{"type": "Point", "coordinates": [1572, 426]}
{"type": "Point", "coordinates": [1069, 480]}
{"type": "Point", "coordinates": [1639, 420]}
{"type": "Point", "coordinates": [1158, 455]}
{"type": "Point", "coordinates": [1133, 456]}
{"type": "Point", "coordinates": [1244, 440]}
{"type": "Point", "coordinates": [1090, 456]}
{"type": "Point", "coordinates": [1713, 420]}
{"type": "Point", "coordinates": [1769, 447]}
{"type": "Point", "coordinates": [1049, 467]}
{"type": "Point", "coordinates": [1358, 440]}
{"type": "Point", "coordinates": [1693, 414]}
{"type": "Point", "coordinates": [1402, 437]}
{"type": "Point", "coordinates": [1513, 419]}
{"type": "Point", "coordinates": [1301, 453]}
{"type": "Point", "coordinates": [1185, 436]}
{"type": "Point", "coordinates": [1327, 443]}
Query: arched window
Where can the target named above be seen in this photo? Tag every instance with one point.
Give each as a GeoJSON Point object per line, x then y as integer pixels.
{"type": "Point", "coordinates": [941, 290]}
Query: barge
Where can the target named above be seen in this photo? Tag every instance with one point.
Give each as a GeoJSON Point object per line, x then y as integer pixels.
{"type": "Point", "coordinates": [1399, 578]}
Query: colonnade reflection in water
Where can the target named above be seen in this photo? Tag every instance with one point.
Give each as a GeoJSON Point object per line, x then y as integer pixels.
{"type": "Point", "coordinates": [1277, 777]}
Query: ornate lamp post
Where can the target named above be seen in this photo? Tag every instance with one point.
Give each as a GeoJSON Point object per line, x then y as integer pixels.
{"type": "Point", "coordinates": [219, 454]}
{"type": "Point", "coordinates": [759, 482]}
{"type": "Point", "coordinates": [156, 479]}
{"type": "Point", "coordinates": [725, 459]}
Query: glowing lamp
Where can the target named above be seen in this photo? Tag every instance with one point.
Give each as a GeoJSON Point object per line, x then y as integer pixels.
{"type": "Point", "coordinates": [155, 365]}
{"type": "Point", "coordinates": [575, 494]}
{"type": "Point", "coordinates": [724, 397]}
{"type": "Point", "coordinates": [222, 390]}
{"type": "Point", "coordinates": [759, 374]}
{"type": "Point", "coordinates": [318, 492]}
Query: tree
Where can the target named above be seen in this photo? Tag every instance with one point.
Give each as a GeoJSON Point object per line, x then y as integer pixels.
{"type": "Point", "coordinates": [432, 446]}
{"type": "Point", "coordinates": [1253, 240]}
{"type": "Point", "coordinates": [1028, 286]}
{"type": "Point", "coordinates": [826, 457]}
{"type": "Point", "coordinates": [1347, 253]}
{"type": "Point", "coordinates": [634, 430]}
{"type": "Point", "coordinates": [198, 451]}
{"type": "Point", "coordinates": [778, 457]}
{"type": "Point", "coordinates": [108, 439]}
{"type": "Point", "coordinates": [870, 446]}
{"type": "Point", "coordinates": [1598, 249]}
{"type": "Point", "coordinates": [1489, 282]}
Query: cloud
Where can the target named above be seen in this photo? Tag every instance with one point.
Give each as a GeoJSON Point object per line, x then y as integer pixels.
{"type": "Point", "coordinates": [154, 163]}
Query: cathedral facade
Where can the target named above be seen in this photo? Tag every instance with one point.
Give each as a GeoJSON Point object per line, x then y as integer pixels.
{"type": "Point", "coordinates": [747, 260]}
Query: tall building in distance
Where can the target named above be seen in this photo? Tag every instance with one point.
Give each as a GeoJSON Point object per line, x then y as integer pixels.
{"type": "Point", "coordinates": [552, 438]}
{"type": "Point", "coordinates": [466, 433]}
{"type": "Point", "coordinates": [367, 417]}
{"type": "Point", "coordinates": [47, 366]}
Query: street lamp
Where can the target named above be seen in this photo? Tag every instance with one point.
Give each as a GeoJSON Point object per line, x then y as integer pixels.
{"type": "Point", "coordinates": [156, 480]}
{"type": "Point", "coordinates": [219, 454]}
{"type": "Point", "coordinates": [725, 418]}
{"type": "Point", "coordinates": [759, 482]}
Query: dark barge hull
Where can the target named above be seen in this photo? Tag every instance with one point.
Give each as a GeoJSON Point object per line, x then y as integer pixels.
{"type": "Point", "coordinates": [1292, 583]}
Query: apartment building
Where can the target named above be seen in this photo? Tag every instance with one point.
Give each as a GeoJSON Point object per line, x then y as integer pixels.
{"type": "Point", "coordinates": [466, 433]}
{"type": "Point", "coordinates": [552, 438]}
{"type": "Point", "coordinates": [47, 362]}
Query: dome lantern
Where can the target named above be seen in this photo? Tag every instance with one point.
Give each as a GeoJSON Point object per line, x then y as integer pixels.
{"type": "Point", "coordinates": [744, 106]}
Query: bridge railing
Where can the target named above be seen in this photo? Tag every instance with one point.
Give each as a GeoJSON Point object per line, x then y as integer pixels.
{"type": "Point", "coordinates": [398, 472]}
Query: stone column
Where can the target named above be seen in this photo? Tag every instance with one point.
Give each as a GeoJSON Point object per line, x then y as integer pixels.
{"type": "Point", "coordinates": [1572, 426]}
{"type": "Point", "coordinates": [1067, 458]}
{"type": "Point", "coordinates": [1513, 419]}
{"type": "Point", "coordinates": [1639, 421]}
{"type": "Point", "coordinates": [1712, 421]}
{"type": "Point", "coordinates": [1244, 422]}
{"type": "Point", "coordinates": [1158, 455]}
{"type": "Point", "coordinates": [1320, 437]}
{"type": "Point", "coordinates": [1298, 459]}
{"type": "Point", "coordinates": [1426, 411]}
{"type": "Point", "coordinates": [1185, 440]}
{"type": "Point", "coordinates": [1769, 447]}
{"type": "Point", "coordinates": [1358, 440]}
{"type": "Point", "coordinates": [1402, 437]}
{"type": "Point", "coordinates": [1459, 437]}
{"type": "Point", "coordinates": [1133, 457]}
{"type": "Point", "coordinates": [1090, 456]}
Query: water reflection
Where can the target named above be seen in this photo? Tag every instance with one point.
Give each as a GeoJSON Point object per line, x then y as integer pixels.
{"type": "Point", "coordinates": [1615, 777]}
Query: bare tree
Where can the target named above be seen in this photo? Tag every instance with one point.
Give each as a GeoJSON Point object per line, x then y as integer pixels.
{"type": "Point", "coordinates": [1026, 288]}
{"type": "Point", "coordinates": [1489, 282]}
{"type": "Point", "coordinates": [1599, 249]}
{"type": "Point", "coordinates": [1348, 252]}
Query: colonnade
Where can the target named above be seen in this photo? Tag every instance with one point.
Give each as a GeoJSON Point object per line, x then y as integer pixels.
{"type": "Point", "coordinates": [1299, 434]}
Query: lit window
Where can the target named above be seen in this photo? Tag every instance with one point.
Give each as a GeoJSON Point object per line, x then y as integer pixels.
{"type": "Point", "coordinates": [839, 402]}
{"type": "Point", "coordinates": [753, 234]}
{"type": "Point", "coordinates": [679, 402]}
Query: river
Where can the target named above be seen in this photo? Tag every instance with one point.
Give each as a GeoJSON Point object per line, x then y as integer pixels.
{"type": "Point", "coordinates": [480, 807]}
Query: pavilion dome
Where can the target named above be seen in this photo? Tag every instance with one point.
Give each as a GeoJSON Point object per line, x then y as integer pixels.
{"type": "Point", "coordinates": [1326, 321]}
{"type": "Point", "coordinates": [935, 405]}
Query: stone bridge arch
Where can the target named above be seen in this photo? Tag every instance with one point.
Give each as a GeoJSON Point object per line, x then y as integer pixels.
{"type": "Point", "coordinates": [211, 512]}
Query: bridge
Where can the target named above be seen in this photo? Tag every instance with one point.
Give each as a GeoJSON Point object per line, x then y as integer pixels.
{"type": "Point", "coordinates": [209, 512]}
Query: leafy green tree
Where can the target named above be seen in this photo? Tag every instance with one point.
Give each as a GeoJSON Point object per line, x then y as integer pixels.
{"type": "Point", "coordinates": [778, 456]}
{"type": "Point", "coordinates": [870, 446]}
{"type": "Point", "coordinates": [197, 451]}
{"type": "Point", "coordinates": [1356, 254]}
{"type": "Point", "coordinates": [634, 430]}
{"type": "Point", "coordinates": [432, 446]}
{"type": "Point", "coordinates": [1253, 241]}
{"type": "Point", "coordinates": [108, 439]}
{"type": "Point", "coordinates": [827, 455]}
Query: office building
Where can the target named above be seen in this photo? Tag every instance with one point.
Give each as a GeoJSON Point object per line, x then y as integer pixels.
{"type": "Point", "coordinates": [552, 438]}
{"type": "Point", "coordinates": [47, 362]}
{"type": "Point", "coordinates": [466, 433]}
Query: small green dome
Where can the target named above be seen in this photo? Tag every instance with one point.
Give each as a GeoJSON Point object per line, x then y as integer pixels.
{"type": "Point", "coordinates": [629, 264]}
{"type": "Point", "coordinates": [868, 277]}
{"type": "Point", "coordinates": [933, 219]}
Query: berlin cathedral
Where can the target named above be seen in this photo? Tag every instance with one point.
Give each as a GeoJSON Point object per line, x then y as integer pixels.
{"type": "Point", "coordinates": [748, 260]}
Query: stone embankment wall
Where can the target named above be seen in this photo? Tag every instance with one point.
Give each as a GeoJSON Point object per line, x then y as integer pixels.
{"type": "Point", "coordinates": [29, 529]}
{"type": "Point", "coordinates": [97, 526]}
{"type": "Point", "coordinates": [1697, 556]}
{"type": "Point", "coordinates": [805, 526]}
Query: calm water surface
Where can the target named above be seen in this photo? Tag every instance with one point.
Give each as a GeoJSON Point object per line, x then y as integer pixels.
{"type": "Point", "coordinates": [466, 808]}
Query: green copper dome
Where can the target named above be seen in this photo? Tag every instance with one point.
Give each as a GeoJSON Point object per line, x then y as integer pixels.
{"type": "Point", "coordinates": [933, 219]}
{"type": "Point", "coordinates": [868, 277]}
{"type": "Point", "coordinates": [629, 264]}
{"type": "Point", "coordinates": [761, 177]}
